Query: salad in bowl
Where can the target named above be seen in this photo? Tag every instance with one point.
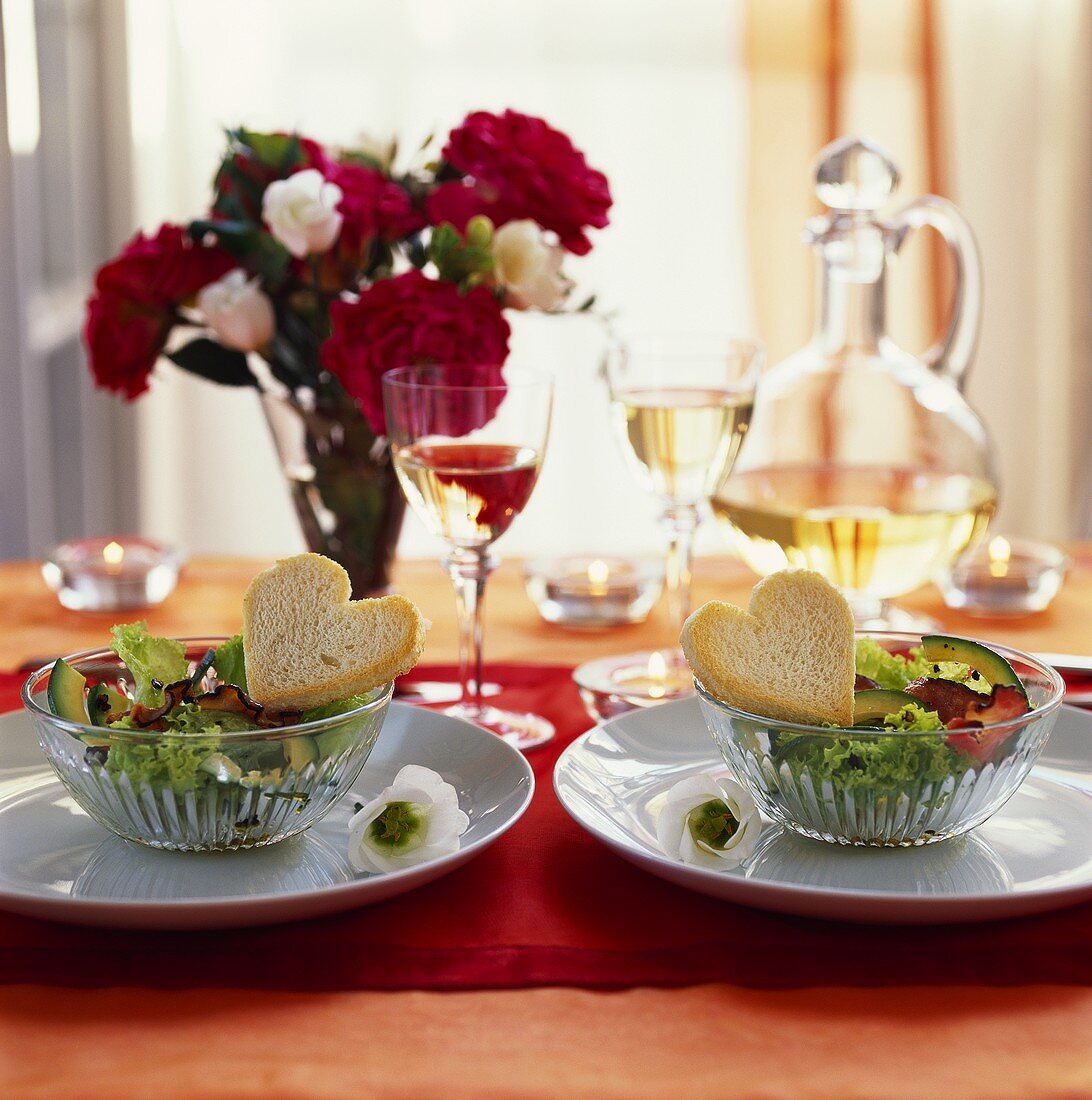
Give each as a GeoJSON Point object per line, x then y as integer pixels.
{"type": "Point", "coordinates": [201, 744]}
{"type": "Point", "coordinates": [865, 739]}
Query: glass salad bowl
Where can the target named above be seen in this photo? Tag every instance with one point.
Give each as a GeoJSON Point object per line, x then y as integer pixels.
{"type": "Point", "coordinates": [878, 787]}
{"type": "Point", "coordinates": [198, 792]}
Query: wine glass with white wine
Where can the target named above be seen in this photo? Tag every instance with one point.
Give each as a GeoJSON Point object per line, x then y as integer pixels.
{"type": "Point", "coordinates": [681, 409]}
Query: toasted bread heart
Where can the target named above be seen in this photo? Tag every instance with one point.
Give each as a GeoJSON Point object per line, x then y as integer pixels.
{"type": "Point", "coordinates": [789, 656]}
{"type": "Point", "coordinates": [306, 644]}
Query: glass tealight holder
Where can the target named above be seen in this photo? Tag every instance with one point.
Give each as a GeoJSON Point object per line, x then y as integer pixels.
{"type": "Point", "coordinates": [614, 685]}
{"type": "Point", "coordinates": [1004, 577]}
{"type": "Point", "coordinates": [587, 593]}
{"type": "Point", "coordinates": [111, 574]}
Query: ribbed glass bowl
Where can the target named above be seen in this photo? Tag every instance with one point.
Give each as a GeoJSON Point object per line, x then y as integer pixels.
{"type": "Point", "coordinates": [263, 786]}
{"type": "Point", "coordinates": [886, 788]}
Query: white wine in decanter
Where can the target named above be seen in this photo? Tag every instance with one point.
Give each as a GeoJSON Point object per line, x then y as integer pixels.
{"type": "Point", "coordinates": [862, 461]}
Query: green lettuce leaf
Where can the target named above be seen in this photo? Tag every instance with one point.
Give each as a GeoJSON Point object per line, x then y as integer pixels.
{"type": "Point", "coordinates": [913, 717]}
{"type": "Point", "coordinates": [338, 706]}
{"type": "Point", "coordinates": [191, 719]}
{"type": "Point", "coordinates": [885, 762]}
{"type": "Point", "coordinates": [961, 674]}
{"type": "Point", "coordinates": [149, 658]}
{"type": "Point", "coordinates": [889, 670]}
{"type": "Point", "coordinates": [168, 761]}
{"type": "Point", "coordinates": [229, 662]}
{"type": "Point", "coordinates": [894, 672]}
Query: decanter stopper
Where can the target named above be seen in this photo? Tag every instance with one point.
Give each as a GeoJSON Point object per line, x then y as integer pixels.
{"type": "Point", "coordinates": [855, 174]}
{"type": "Point", "coordinates": [854, 178]}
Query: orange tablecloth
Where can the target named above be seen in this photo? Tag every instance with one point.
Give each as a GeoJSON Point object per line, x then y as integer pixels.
{"type": "Point", "coordinates": [964, 1041]}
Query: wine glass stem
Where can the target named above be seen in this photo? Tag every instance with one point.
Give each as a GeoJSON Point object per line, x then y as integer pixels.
{"type": "Point", "coordinates": [681, 521]}
{"type": "Point", "coordinates": [469, 570]}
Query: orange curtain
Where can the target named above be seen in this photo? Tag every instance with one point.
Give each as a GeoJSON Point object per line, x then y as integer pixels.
{"type": "Point", "coordinates": [820, 69]}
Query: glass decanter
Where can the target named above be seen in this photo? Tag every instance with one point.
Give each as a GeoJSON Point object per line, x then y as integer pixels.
{"type": "Point", "coordinates": [862, 461]}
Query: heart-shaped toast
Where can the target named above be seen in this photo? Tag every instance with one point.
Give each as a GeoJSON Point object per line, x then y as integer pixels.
{"type": "Point", "coordinates": [789, 656]}
{"type": "Point", "coordinates": [306, 644]}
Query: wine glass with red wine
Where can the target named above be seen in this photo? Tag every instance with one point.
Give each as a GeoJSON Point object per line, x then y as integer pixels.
{"type": "Point", "coordinates": [467, 444]}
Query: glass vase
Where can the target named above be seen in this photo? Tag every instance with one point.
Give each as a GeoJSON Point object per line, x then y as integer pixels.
{"type": "Point", "coordinates": [342, 482]}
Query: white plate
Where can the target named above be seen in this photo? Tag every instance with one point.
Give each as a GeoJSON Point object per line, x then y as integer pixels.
{"type": "Point", "coordinates": [55, 862]}
{"type": "Point", "coordinates": [1034, 854]}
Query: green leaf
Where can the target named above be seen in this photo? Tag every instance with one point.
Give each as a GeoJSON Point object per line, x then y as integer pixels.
{"type": "Point", "coordinates": [280, 151]}
{"type": "Point", "coordinates": [213, 361]}
{"type": "Point", "coordinates": [230, 663]}
{"type": "Point", "coordinates": [363, 160]}
{"type": "Point", "coordinates": [252, 161]}
{"type": "Point", "coordinates": [150, 659]}
{"type": "Point", "coordinates": [457, 261]}
{"type": "Point", "coordinates": [255, 249]}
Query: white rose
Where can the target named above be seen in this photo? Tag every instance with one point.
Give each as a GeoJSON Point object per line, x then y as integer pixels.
{"type": "Point", "coordinates": [417, 818]}
{"type": "Point", "coordinates": [237, 311]}
{"type": "Point", "coordinates": [528, 266]}
{"type": "Point", "coordinates": [694, 827]}
{"type": "Point", "coordinates": [301, 212]}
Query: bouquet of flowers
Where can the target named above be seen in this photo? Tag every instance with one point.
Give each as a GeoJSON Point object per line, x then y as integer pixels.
{"type": "Point", "coordinates": [314, 272]}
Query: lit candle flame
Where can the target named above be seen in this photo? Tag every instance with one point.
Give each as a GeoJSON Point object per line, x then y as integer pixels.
{"type": "Point", "coordinates": [112, 554]}
{"type": "Point", "coordinates": [657, 675]}
{"type": "Point", "coordinates": [598, 573]}
{"type": "Point", "coordinates": [999, 552]}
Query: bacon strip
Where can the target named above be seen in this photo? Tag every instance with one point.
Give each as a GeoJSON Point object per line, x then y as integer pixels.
{"type": "Point", "coordinates": [226, 699]}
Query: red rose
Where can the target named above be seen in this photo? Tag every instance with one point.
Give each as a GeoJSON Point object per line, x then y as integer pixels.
{"type": "Point", "coordinates": [406, 321]}
{"type": "Point", "coordinates": [520, 167]}
{"type": "Point", "coordinates": [136, 297]}
{"type": "Point", "coordinates": [458, 202]}
{"type": "Point", "coordinates": [123, 341]}
{"type": "Point", "coordinates": [371, 206]}
{"type": "Point", "coordinates": [314, 155]}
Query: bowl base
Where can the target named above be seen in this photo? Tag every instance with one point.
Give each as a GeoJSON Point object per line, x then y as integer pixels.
{"type": "Point", "coordinates": [873, 842]}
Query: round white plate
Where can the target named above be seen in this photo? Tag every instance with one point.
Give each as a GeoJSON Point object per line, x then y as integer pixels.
{"type": "Point", "coordinates": [55, 862]}
{"type": "Point", "coordinates": [1034, 854]}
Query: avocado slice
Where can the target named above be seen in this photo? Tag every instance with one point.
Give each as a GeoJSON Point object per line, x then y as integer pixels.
{"type": "Point", "coordinates": [334, 742]}
{"type": "Point", "coordinates": [65, 697]}
{"type": "Point", "coordinates": [992, 666]}
{"type": "Point", "coordinates": [300, 751]}
{"type": "Point", "coordinates": [103, 701]}
{"type": "Point", "coordinates": [65, 693]}
{"type": "Point", "coordinates": [222, 768]}
{"type": "Point", "coordinates": [872, 706]}
{"type": "Point", "coordinates": [792, 748]}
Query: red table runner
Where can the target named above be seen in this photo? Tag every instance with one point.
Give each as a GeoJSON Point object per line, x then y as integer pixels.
{"type": "Point", "coordinates": [548, 905]}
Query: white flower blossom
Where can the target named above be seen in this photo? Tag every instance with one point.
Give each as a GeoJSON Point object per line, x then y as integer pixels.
{"type": "Point", "coordinates": [416, 819]}
{"type": "Point", "coordinates": [710, 821]}
{"type": "Point", "coordinates": [528, 266]}
{"type": "Point", "coordinates": [301, 212]}
{"type": "Point", "coordinates": [237, 311]}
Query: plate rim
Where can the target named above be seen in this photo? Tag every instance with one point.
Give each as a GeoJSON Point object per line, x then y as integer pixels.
{"type": "Point", "coordinates": [434, 868]}
{"type": "Point", "coordinates": [795, 891]}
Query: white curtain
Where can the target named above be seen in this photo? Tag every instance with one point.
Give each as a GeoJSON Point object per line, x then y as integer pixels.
{"type": "Point", "coordinates": [657, 95]}
{"type": "Point", "coordinates": [1021, 148]}
{"type": "Point", "coordinates": [656, 100]}
{"type": "Point", "coordinates": [987, 100]}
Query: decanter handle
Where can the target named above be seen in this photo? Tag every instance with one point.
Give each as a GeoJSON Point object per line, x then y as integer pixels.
{"type": "Point", "coordinates": [951, 355]}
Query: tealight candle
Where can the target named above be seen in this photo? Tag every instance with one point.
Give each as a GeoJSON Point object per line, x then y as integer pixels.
{"type": "Point", "coordinates": [614, 685]}
{"type": "Point", "coordinates": [593, 593]}
{"type": "Point", "coordinates": [111, 574]}
{"type": "Point", "coordinates": [1004, 577]}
